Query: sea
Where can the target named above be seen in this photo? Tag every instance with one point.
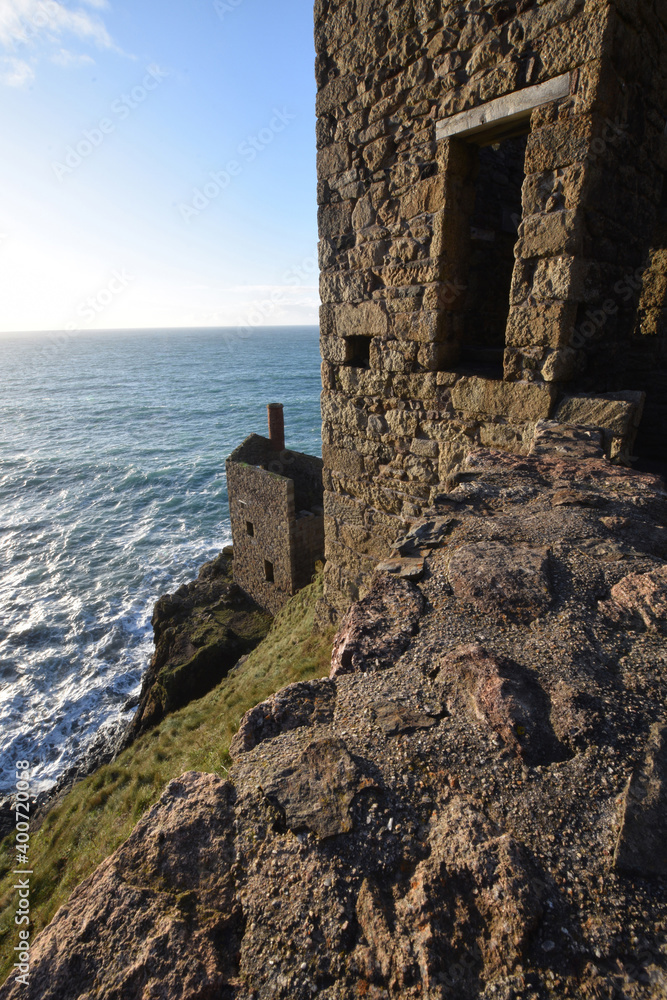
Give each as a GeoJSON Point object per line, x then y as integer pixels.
{"type": "Point", "coordinates": [113, 492]}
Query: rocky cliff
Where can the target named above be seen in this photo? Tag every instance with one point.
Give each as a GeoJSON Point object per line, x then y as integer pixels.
{"type": "Point", "coordinates": [472, 805]}
{"type": "Point", "coordinates": [200, 633]}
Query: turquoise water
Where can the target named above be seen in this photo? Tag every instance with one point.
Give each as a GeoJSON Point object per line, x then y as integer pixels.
{"type": "Point", "coordinates": [112, 492]}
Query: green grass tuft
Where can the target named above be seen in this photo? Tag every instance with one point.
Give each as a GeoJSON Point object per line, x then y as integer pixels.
{"type": "Point", "coordinates": [100, 812]}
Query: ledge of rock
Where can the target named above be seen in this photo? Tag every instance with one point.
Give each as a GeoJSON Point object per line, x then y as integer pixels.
{"type": "Point", "coordinates": [159, 918]}
{"type": "Point", "coordinates": [300, 704]}
{"type": "Point", "coordinates": [642, 841]}
{"type": "Point", "coordinates": [474, 805]}
{"type": "Point", "coordinates": [503, 576]}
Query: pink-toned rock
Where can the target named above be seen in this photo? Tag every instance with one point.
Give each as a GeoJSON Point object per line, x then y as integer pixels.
{"type": "Point", "coordinates": [501, 577]}
{"type": "Point", "coordinates": [639, 595]}
{"type": "Point", "coordinates": [435, 926]}
{"type": "Point", "coordinates": [576, 498]}
{"type": "Point", "coordinates": [505, 697]}
{"type": "Point", "coordinates": [375, 631]}
{"type": "Point", "coordinates": [315, 790]}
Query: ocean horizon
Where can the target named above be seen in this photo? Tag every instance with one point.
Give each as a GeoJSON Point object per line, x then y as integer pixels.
{"type": "Point", "coordinates": [113, 492]}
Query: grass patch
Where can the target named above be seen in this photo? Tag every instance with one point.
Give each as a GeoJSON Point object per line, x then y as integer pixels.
{"type": "Point", "coordinates": [100, 812]}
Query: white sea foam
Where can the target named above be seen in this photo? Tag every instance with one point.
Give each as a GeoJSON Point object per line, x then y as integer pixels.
{"type": "Point", "coordinates": [112, 492]}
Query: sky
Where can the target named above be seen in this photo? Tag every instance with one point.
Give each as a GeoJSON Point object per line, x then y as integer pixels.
{"type": "Point", "coordinates": [157, 165]}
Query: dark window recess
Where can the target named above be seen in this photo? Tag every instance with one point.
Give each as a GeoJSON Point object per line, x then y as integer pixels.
{"type": "Point", "coordinates": [358, 352]}
{"type": "Point", "coordinates": [268, 571]}
{"type": "Point", "coordinates": [250, 528]}
{"type": "Point", "coordinates": [493, 233]}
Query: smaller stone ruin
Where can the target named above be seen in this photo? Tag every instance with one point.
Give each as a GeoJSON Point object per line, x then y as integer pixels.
{"type": "Point", "coordinates": [275, 504]}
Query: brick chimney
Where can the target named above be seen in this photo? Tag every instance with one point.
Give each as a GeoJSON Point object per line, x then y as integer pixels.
{"type": "Point", "coordinates": [276, 426]}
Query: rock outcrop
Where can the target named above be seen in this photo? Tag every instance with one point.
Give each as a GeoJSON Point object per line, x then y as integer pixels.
{"type": "Point", "coordinates": [160, 916]}
{"type": "Point", "coordinates": [200, 632]}
{"type": "Point", "coordinates": [473, 807]}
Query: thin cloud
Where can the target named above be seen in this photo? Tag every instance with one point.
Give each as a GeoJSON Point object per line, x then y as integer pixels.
{"type": "Point", "coordinates": [258, 305]}
{"type": "Point", "coordinates": [15, 72]}
{"type": "Point", "coordinates": [41, 24]}
{"type": "Point", "coordinates": [66, 58]}
{"type": "Point", "coordinates": [85, 27]}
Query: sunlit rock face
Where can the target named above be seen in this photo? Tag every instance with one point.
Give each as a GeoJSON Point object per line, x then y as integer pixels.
{"type": "Point", "coordinates": [472, 805]}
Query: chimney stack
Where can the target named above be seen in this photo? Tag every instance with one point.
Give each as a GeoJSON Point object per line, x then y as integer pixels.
{"type": "Point", "coordinates": [276, 426]}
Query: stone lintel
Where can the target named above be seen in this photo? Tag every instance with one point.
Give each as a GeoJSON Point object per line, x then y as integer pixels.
{"type": "Point", "coordinates": [507, 110]}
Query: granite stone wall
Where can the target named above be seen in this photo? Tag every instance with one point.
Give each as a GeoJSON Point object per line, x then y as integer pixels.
{"type": "Point", "coordinates": [262, 512]}
{"type": "Point", "coordinates": [450, 317]}
{"type": "Point", "coordinates": [275, 503]}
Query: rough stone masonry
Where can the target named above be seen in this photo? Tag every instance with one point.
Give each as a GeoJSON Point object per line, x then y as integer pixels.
{"type": "Point", "coordinates": [493, 223]}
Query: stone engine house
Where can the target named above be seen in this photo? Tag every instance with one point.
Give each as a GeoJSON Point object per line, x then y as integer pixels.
{"type": "Point", "coordinates": [275, 503]}
{"type": "Point", "coordinates": [493, 244]}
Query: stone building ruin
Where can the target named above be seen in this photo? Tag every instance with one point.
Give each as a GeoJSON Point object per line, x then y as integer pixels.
{"type": "Point", "coordinates": [493, 245]}
{"type": "Point", "coordinates": [275, 504]}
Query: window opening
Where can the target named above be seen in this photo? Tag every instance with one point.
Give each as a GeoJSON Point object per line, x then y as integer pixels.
{"type": "Point", "coordinates": [268, 571]}
{"type": "Point", "coordinates": [250, 528]}
{"type": "Point", "coordinates": [494, 224]}
{"type": "Point", "coordinates": [359, 351]}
